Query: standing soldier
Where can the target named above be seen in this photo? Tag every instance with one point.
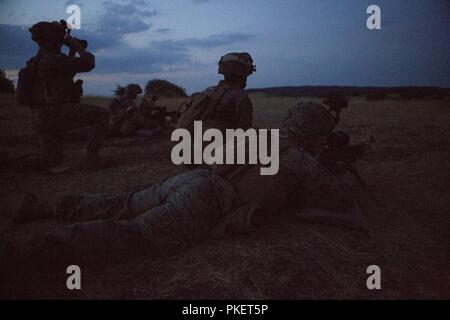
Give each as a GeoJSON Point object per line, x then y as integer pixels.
{"type": "Point", "coordinates": [46, 85]}
{"type": "Point", "coordinates": [225, 106]}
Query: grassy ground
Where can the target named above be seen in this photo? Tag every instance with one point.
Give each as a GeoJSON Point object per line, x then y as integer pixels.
{"type": "Point", "coordinates": [408, 197]}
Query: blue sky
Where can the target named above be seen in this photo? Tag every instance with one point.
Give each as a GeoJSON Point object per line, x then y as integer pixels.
{"type": "Point", "coordinates": [293, 42]}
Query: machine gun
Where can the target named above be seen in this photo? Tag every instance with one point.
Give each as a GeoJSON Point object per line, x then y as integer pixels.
{"type": "Point", "coordinates": [339, 155]}
{"type": "Point", "coordinates": [149, 109]}
{"type": "Point", "coordinates": [161, 113]}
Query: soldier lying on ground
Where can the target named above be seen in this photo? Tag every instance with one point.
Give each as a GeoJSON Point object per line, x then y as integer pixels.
{"type": "Point", "coordinates": [121, 108]}
{"type": "Point", "coordinates": [158, 116]}
{"type": "Point", "coordinates": [46, 85]}
{"type": "Point", "coordinates": [128, 119]}
{"type": "Point", "coordinates": [187, 208]}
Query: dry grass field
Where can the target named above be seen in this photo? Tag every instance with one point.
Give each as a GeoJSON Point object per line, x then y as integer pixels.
{"type": "Point", "coordinates": [407, 206]}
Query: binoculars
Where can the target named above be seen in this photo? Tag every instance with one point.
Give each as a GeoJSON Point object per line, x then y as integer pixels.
{"type": "Point", "coordinates": [84, 43]}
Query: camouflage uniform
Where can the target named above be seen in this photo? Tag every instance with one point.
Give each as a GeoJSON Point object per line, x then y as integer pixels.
{"type": "Point", "coordinates": [120, 114]}
{"type": "Point", "coordinates": [55, 102]}
{"type": "Point", "coordinates": [336, 102]}
{"type": "Point", "coordinates": [127, 118]}
{"type": "Point", "coordinates": [186, 208]}
{"type": "Point", "coordinates": [225, 106]}
{"type": "Point", "coordinates": [148, 105]}
{"type": "Point", "coordinates": [152, 117]}
{"type": "Point", "coordinates": [160, 218]}
{"type": "Point", "coordinates": [234, 110]}
{"type": "Point", "coordinates": [145, 116]}
{"type": "Point", "coordinates": [51, 122]}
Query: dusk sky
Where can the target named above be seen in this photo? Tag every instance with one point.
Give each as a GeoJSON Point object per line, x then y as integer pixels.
{"type": "Point", "coordinates": [293, 42]}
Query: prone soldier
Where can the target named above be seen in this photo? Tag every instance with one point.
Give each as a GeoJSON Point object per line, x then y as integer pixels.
{"type": "Point", "coordinates": [182, 210]}
{"type": "Point", "coordinates": [122, 109]}
{"type": "Point", "coordinates": [128, 119]}
{"type": "Point", "coordinates": [156, 116]}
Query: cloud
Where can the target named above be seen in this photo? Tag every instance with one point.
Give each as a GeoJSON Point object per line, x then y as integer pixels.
{"type": "Point", "coordinates": [116, 59]}
{"type": "Point", "coordinates": [160, 54]}
{"type": "Point", "coordinates": [74, 2]}
{"type": "Point", "coordinates": [142, 60]}
{"type": "Point", "coordinates": [107, 35]}
{"type": "Point", "coordinates": [122, 19]}
{"type": "Point", "coordinates": [16, 46]}
{"type": "Point", "coordinates": [163, 30]}
{"type": "Point", "coordinates": [200, 1]}
{"type": "Point", "coordinates": [217, 40]}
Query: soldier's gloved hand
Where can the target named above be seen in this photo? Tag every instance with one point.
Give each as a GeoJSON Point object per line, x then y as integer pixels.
{"type": "Point", "coordinates": [74, 44]}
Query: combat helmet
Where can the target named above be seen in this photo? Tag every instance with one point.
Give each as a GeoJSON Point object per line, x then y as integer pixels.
{"type": "Point", "coordinates": [45, 30]}
{"type": "Point", "coordinates": [336, 102]}
{"type": "Point", "coordinates": [237, 63]}
{"type": "Point", "coordinates": [308, 119]}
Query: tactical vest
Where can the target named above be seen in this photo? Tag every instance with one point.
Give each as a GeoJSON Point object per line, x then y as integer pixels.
{"type": "Point", "coordinates": [51, 88]}
{"type": "Point", "coordinates": [268, 192]}
{"type": "Point", "coordinates": [223, 115]}
{"type": "Point", "coordinates": [200, 107]}
{"type": "Point", "coordinates": [26, 81]}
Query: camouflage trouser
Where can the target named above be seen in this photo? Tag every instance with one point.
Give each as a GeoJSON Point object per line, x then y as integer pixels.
{"type": "Point", "coordinates": [51, 122]}
{"type": "Point", "coordinates": [167, 216]}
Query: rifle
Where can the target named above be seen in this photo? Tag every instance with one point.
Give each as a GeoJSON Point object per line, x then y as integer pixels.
{"type": "Point", "coordinates": [158, 113]}
{"type": "Point", "coordinates": [339, 155]}
{"type": "Point", "coordinates": [161, 112]}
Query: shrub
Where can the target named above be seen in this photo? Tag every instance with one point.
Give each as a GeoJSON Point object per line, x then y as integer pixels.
{"type": "Point", "coordinates": [164, 88]}
{"type": "Point", "coordinates": [6, 85]}
{"type": "Point", "coordinates": [376, 95]}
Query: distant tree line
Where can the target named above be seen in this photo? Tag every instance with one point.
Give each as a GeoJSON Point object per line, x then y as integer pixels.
{"type": "Point", "coordinates": [164, 88]}
{"type": "Point", "coordinates": [371, 93]}
{"type": "Point", "coordinates": [157, 87]}
{"type": "Point", "coordinates": [6, 85]}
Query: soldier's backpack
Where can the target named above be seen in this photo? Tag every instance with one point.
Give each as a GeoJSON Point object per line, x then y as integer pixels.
{"type": "Point", "coordinates": [27, 76]}
{"type": "Point", "coordinates": [199, 106]}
